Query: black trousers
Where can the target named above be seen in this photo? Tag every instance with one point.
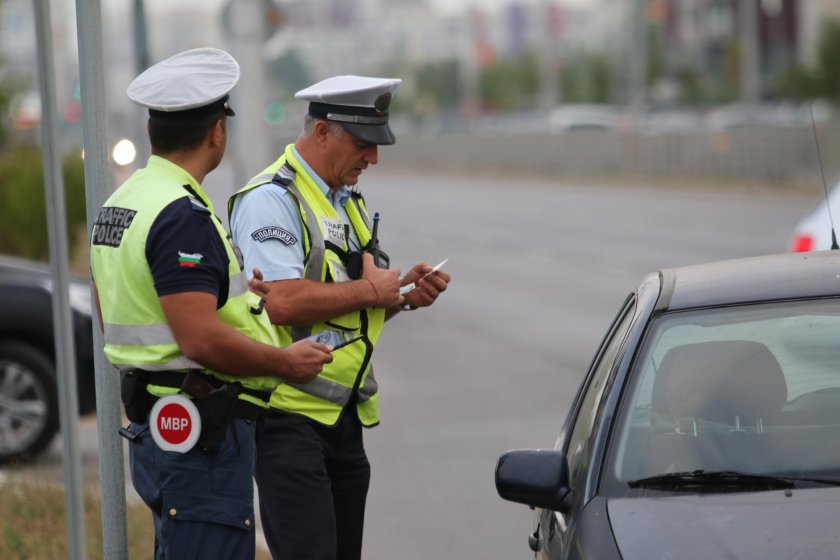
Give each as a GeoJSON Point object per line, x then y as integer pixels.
{"type": "Point", "coordinates": [313, 482]}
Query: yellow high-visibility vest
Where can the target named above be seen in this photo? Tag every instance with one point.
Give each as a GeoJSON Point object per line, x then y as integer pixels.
{"type": "Point", "coordinates": [136, 332]}
{"type": "Point", "coordinates": [351, 369]}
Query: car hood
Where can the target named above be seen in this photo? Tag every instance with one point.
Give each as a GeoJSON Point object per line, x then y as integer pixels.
{"type": "Point", "coordinates": [738, 526]}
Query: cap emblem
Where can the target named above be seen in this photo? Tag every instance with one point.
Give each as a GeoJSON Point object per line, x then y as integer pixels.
{"type": "Point", "coordinates": [382, 102]}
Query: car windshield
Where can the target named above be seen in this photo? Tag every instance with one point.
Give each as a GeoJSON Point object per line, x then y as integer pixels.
{"type": "Point", "coordinates": [752, 389]}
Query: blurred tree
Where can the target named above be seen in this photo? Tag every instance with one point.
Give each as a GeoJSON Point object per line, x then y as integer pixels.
{"type": "Point", "coordinates": [656, 56]}
{"type": "Point", "coordinates": [691, 86]}
{"type": "Point", "coordinates": [796, 82]}
{"type": "Point", "coordinates": [589, 78]}
{"type": "Point", "coordinates": [726, 86]}
{"type": "Point", "coordinates": [439, 84]}
{"type": "Point", "coordinates": [22, 203]}
{"type": "Point", "coordinates": [23, 219]}
{"type": "Point", "coordinates": [510, 84]}
{"type": "Point", "coordinates": [828, 61]}
{"type": "Point", "coordinates": [11, 86]}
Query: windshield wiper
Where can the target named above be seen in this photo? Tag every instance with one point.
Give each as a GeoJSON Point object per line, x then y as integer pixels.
{"type": "Point", "coordinates": [716, 479]}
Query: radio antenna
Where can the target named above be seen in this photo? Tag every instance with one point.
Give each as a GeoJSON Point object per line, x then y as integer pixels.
{"type": "Point", "coordinates": [834, 245]}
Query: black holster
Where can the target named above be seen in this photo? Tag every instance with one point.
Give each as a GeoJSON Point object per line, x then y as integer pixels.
{"type": "Point", "coordinates": [216, 411]}
{"type": "Point", "coordinates": [135, 398]}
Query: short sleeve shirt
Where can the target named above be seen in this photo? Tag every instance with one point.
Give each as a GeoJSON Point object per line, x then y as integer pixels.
{"type": "Point", "coordinates": [185, 252]}
{"type": "Point", "coordinates": [267, 227]}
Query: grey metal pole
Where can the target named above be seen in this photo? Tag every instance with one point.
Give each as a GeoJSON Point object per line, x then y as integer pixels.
{"type": "Point", "coordinates": [247, 147]}
{"type": "Point", "coordinates": [141, 62]}
{"type": "Point", "coordinates": [750, 75]}
{"type": "Point", "coordinates": [68, 397]}
{"type": "Point", "coordinates": [638, 58]}
{"type": "Point", "coordinates": [97, 188]}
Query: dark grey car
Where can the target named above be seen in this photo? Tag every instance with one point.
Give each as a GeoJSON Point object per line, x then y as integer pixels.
{"type": "Point", "coordinates": [28, 392]}
{"type": "Point", "coordinates": [708, 425]}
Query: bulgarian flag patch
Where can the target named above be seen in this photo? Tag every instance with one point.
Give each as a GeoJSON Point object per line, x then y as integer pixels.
{"type": "Point", "coordinates": [189, 259]}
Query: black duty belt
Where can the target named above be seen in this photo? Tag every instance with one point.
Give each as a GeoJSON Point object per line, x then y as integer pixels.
{"type": "Point", "coordinates": [199, 386]}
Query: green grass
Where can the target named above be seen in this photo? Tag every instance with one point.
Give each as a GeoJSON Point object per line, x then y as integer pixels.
{"type": "Point", "coordinates": [33, 524]}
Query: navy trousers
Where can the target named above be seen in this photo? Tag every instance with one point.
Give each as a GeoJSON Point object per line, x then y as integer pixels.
{"type": "Point", "coordinates": [202, 504]}
{"type": "Point", "coordinates": [313, 482]}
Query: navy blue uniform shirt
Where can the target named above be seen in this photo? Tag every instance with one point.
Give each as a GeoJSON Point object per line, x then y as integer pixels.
{"type": "Point", "coordinates": [185, 252]}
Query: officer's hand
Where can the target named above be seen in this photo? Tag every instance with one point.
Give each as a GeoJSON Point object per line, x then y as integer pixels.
{"type": "Point", "coordinates": [256, 284]}
{"type": "Point", "coordinates": [306, 359]}
{"type": "Point", "coordinates": [384, 283]}
{"type": "Point", "coordinates": [427, 288]}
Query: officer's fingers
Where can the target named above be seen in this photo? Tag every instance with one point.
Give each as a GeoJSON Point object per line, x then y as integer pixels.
{"type": "Point", "coordinates": [442, 275]}
{"type": "Point", "coordinates": [433, 284]}
{"type": "Point", "coordinates": [425, 295]}
{"type": "Point", "coordinates": [367, 261]}
{"type": "Point", "coordinates": [421, 268]}
{"type": "Point", "coordinates": [258, 274]}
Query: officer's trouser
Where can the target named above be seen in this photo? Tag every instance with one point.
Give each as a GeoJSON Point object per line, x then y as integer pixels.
{"type": "Point", "coordinates": [313, 482]}
{"type": "Point", "coordinates": [202, 504]}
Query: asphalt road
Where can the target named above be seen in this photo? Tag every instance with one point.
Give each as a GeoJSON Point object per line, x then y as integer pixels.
{"type": "Point", "coordinates": [539, 269]}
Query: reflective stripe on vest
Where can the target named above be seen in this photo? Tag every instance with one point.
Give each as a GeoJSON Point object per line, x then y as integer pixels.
{"type": "Point", "coordinates": [337, 393]}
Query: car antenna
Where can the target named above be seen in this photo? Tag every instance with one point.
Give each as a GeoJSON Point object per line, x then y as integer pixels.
{"type": "Point", "coordinates": [834, 245]}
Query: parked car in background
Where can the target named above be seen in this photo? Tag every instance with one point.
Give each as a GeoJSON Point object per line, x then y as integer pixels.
{"type": "Point", "coordinates": [708, 425]}
{"type": "Point", "coordinates": [29, 416]}
{"type": "Point", "coordinates": [583, 116]}
{"type": "Point", "coordinates": [813, 232]}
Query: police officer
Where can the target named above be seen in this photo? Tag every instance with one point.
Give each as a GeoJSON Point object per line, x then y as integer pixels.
{"type": "Point", "coordinates": [305, 225]}
{"type": "Point", "coordinates": [181, 324]}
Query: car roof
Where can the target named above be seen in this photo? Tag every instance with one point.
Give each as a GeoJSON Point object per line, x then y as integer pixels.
{"type": "Point", "coordinates": [753, 279]}
{"type": "Point", "coordinates": [18, 267]}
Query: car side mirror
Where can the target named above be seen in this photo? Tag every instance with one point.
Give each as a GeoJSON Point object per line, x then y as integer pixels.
{"type": "Point", "coordinates": [535, 477]}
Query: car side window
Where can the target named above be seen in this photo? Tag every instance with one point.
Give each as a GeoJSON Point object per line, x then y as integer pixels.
{"type": "Point", "coordinates": [578, 447]}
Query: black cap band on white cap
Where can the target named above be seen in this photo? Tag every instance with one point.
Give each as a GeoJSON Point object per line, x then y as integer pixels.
{"type": "Point", "coordinates": [220, 106]}
{"type": "Point", "coordinates": [348, 114]}
{"type": "Point", "coordinates": [365, 123]}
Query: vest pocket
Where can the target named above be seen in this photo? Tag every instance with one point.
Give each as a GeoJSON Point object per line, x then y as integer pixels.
{"type": "Point", "coordinates": [347, 322]}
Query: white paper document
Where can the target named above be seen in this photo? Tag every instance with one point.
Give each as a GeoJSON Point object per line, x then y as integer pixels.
{"type": "Point", "coordinates": [408, 287]}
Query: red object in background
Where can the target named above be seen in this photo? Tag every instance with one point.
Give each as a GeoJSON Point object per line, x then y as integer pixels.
{"type": "Point", "coordinates": [802, 244]}
{"type": "Point", "coordinates": [73, 112]}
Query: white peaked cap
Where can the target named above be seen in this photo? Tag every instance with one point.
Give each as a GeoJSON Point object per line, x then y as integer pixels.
{"type": "Point", "coordinates": [358, 103]}
{"type": "Point", "coordinates": [188, 80]}
{"type": "Point", "coordinates": [355, 91]}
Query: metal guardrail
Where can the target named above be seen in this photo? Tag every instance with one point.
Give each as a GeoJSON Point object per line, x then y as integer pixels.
{"type": "Point", "coordinates": [786, 156]}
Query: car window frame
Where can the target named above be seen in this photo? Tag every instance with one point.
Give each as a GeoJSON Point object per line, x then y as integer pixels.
{"type": "Point", "coordinates": [647, 297]}
{"type": "Point", "coordinates": [623, 320]}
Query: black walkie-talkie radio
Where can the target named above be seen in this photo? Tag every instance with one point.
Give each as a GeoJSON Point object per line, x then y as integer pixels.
{"type": "Point", "coordinates": [379, 257]}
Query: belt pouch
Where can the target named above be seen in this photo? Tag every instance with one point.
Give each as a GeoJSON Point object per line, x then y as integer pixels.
{"type": "Point", "coordinates": [135, 398]}
{"type": "Point", "coordinates": [216, 411]}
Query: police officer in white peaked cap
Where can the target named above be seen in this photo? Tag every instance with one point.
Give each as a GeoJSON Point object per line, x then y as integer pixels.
{"type": "Point", "coordinates": [303, 222]}
{"type": "Point", "coordinates": [357, 103]}
{"type": "Point", "coordinates": [198, 359]}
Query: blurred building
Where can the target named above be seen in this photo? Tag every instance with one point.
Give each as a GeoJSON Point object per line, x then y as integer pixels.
{"type": "Point", "coordinates": [709, 35]}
